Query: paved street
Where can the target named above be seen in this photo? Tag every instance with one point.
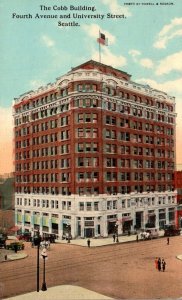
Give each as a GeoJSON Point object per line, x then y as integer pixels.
{"type": "Point", "coordinates": [124, 270]}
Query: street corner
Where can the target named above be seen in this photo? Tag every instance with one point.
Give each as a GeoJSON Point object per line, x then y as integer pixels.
{"type": "Point", "coordinates": [14, 256]}
{"type": "Point", "coordinates": [179, 257]}
{"type": "Point", "coordinates": [63, 292]}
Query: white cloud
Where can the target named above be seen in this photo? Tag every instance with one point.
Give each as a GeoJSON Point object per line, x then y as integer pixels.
{"type": "Point", "coordinates": [47, 41]}
{"type": "Point", "coordinates": [116, 8]}
{"type": "Point", "coordinates": [171, 62]}
{"type": "Point", "coordinates": [92, 30]}
{"type": "Point", "coordinates": [134, 53]}
{"type": "Point", "coordinates": [171, 87]}
{"type": "Point", "coordinates": [144, 62]}
{"type": "Point", "coordinates": [34, 84]}
{"type": "Point", "coordinates": [169, 32]}
{"type": "Point", "coordinates": [109, 58]}
{"type": "Point", "coordinates": [147, 63]}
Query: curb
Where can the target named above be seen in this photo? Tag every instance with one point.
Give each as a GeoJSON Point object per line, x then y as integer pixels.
{"type": "Point", "coordinates": [179, 257]}
{"type": "Point", "coordinates": [109, 244]}
{"type": "Point", "coordinates": [9, 259]}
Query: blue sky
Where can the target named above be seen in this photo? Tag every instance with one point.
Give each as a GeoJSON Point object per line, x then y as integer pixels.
{"type": "Point", "coordinates": [147, 44]}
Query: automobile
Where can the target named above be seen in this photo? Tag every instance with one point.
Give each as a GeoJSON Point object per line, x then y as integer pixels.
{"type": "Point", "coordinates": [26, 236]}
{"type": "Point", "coordinates": [66, 236]}
{"type": "Point", "coordinates": [153, 233]}
{"type": "Point", "coordinates": [149, 233]}
{"type": "Point", "coordinates": [15, 245]}
{"type": "Point", "coordinates": [171, 230]}
{"type": "Point", "coordinates": [3, 239]}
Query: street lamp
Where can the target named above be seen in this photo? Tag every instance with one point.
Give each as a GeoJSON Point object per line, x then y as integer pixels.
{"type": "Point", "coordinates": [36, 241]}
{"type": "Point", "coordinates": [44, 256]}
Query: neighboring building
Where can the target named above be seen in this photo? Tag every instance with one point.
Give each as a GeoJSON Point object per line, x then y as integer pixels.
{"type": "Point", "coordinates": [178, 187]}
{"type": "Point", "coordinates": [6, 201]}
{"type": "Point", "coordinates": [94, 151]}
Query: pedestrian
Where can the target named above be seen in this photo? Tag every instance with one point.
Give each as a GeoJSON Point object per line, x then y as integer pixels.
{"type": "Point", "coordinates": [163, 263]}
{"type": "Point", "coordinates": [88, 243]}
{"type": "Point", "coordinates": [159, 264]}
{"type": "Point", "coordinates": [137, 237]}
{"type": "Point", "coordinates": [15, 248]}
{"type": "Point", "coordinates": [114, 237]}
{"type": "Point", "coordinates": [168, 241]}
{"type": "Point", "coordinates": [156, 263]}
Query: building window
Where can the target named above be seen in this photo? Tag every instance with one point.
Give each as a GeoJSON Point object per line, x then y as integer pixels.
{"type": "Point", "coordinates": [64, 205]}
{"type": "Point", "coordinates": [88, 206]}
{"type": "Point", "coordinates": [80, 147]}
{"type": "Point", "coordinates": [96, 206]}
{"type": "Point", "coordinates": [80, 118]}
{"type": "Point", "coordinates": [81, 206]}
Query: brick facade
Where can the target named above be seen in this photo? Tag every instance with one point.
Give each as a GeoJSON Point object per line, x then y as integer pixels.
{"type": "Point", "coordinates": [94, 151]}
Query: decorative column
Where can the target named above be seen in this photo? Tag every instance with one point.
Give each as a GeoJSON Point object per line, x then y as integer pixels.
{"type": "Point", "coordinates": [167, 215]}
{"type": "Point", "coordinates": [96, 226]}
{"type": "Point", "coordinates": [120, 225]}
{"type": "Point", "coordinates": [50, 224]}
{"type": "Point", "coordinates": [133, 216]}
{"type": "Point", "coordinates": [60, 227]}
{"type": "Point", "coordinates": [157, 218]}
{"type": "Point", "coordinates": [82, 227]}
{"type": "Point", "coordinates": [104, 231]}
{"type": "Point", "coordinates": [73, 226]}
{"type": "Point", "coordinates": [23, 220]}
{"type": "Point", "coordinates": [32, 220]}
{"type": "Point", "coordinates": [41, 223]}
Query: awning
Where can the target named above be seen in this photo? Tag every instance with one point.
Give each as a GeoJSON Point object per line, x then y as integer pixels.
{"type": "Point", "coordinates": [125, 219]}
{"type": "Point", "coordinates": [151, 214]}
{"type": "Point", "coordinates": [14, 228]}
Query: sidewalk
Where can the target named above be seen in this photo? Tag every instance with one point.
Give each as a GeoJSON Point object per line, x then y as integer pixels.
{"type": "Point", "coordinates": [98, 242]}
{"type": "Point", "coordinates": [12, 256]}
{"type": "Point", "coordinates": [62, 292]}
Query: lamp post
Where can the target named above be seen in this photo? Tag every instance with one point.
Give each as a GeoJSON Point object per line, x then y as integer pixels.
{"type": "Point", "coordinates": [37, 240]}
{"type": "Point", "coordinates": [44, 256]}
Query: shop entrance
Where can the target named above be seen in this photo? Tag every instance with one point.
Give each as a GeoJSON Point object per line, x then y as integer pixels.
{"type": "Point", "coordinates": [151, 221]}
{"type": "Point", "coordinates": [89, 232]}
{"type": "Point", "coordinates": [139, 219]}
{"type": "Point", "coordinates": [111, 227]}
{"type": "Point", "coordinates": [54, 228]}
{"type": "Point", "coordinates": [162, 224]}
{"type": "Point", "coordinates": [127, 226]}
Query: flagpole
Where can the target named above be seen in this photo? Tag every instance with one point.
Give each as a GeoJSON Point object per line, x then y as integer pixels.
{"type": "Point", "coordinates": [99, 49]}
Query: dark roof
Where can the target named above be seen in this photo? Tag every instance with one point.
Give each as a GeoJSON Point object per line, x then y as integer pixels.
{"type": "Point", "coordinates": [96, 63]}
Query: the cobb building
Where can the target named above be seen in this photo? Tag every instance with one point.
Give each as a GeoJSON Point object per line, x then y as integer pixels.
{"type": "Point", "coordinates": [93, 151]}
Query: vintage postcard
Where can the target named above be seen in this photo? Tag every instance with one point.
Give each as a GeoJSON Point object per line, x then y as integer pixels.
{"type": "Point", "coordinates": [90, 149]}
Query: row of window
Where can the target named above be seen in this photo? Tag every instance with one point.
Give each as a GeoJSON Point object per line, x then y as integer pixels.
{"type": "Point", "coordinates": [36, 115]}
{"type": "Point", "coordinates": [43, 190]}
{"type": "Point", "coordinates": [94, 162]}
{"type": "Point", "coordinates": [108, 148]}
{"type": "Point", "coordinates": [94, 177]}
{"type": "Point", "coordinates": [88, 191]}
{"type": "Point", "coordinates": [93, 133]}
{"type": "Point", "coordinates": [107, 105]}
{"type": "Point", "coordinates": [89, 206]}
{"type": "Point", "coordinates": [90, 87]}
